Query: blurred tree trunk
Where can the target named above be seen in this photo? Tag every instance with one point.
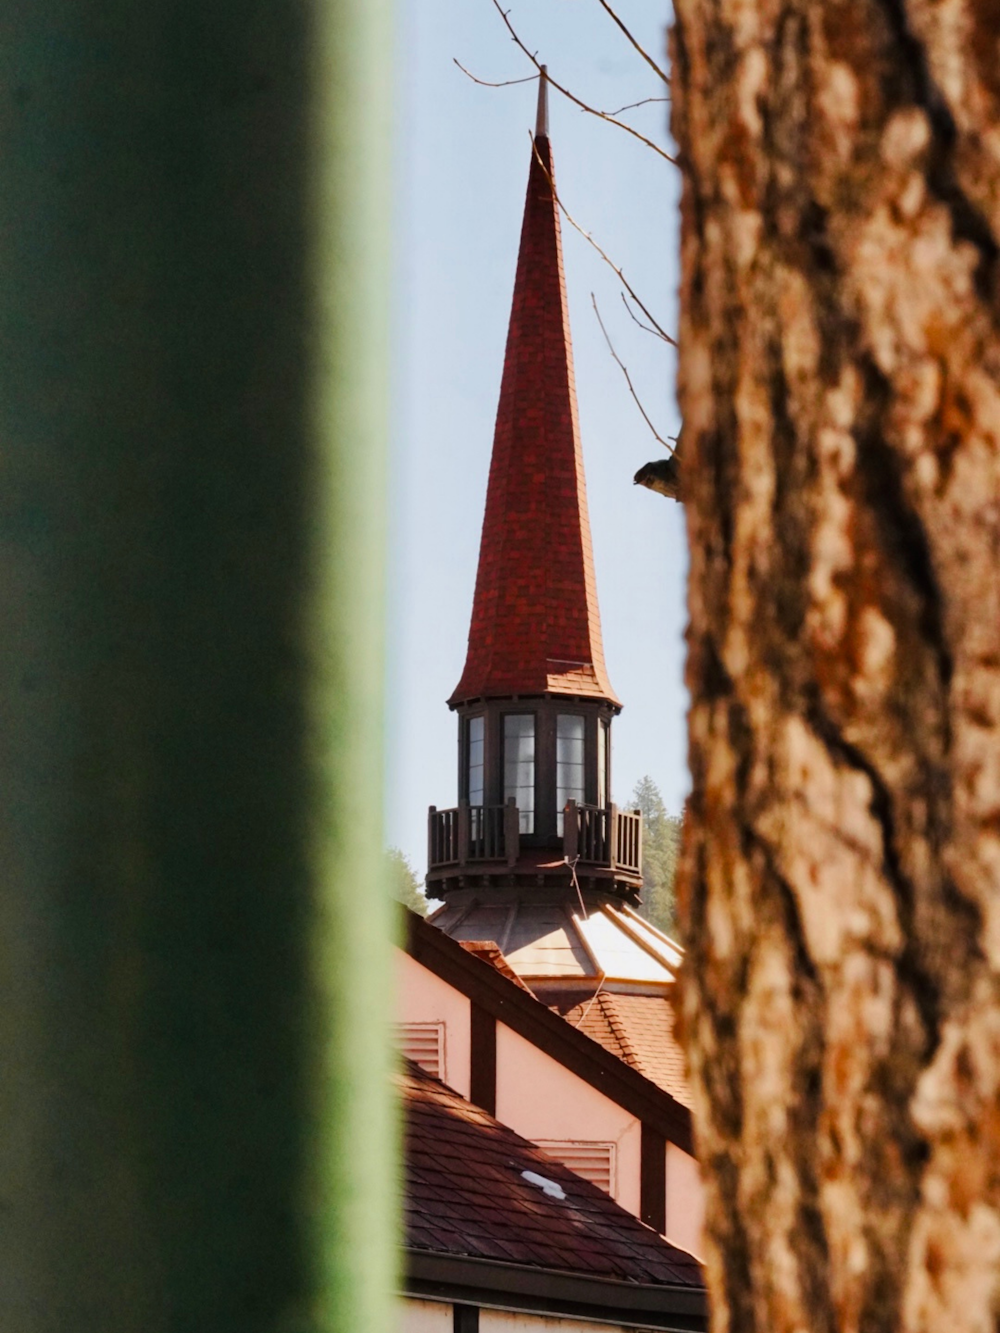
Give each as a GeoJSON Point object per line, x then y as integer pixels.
{"type": "Point", "coordinates": [840, 388]}
{"type": "Point", "coordinates": [193, 309]}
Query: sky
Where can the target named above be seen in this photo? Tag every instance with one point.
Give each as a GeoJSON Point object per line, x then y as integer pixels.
{"type": "Point", "coordinates": [462, 159]}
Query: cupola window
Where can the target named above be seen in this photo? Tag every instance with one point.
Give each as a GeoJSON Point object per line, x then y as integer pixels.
{"type": "Point", "coordinates": [474, 760]}
{"type": "Point", "coordinates": [569, 763]}
{"type": "Point", "coordinates": [519, 766]}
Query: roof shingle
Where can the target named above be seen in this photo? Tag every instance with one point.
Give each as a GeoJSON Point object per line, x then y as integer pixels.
{"type": "Point", "coordinates": [466, 1195]}
{"type": "Point", "coordinates": [535, 623]}
{"type": "Point", "coordinates": [639, 1029]}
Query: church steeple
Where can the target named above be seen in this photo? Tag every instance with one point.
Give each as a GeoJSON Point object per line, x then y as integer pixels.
{"type": "Point", "coordinates": [535, 627]}
{"type": "Point", "coordinates": [534, 704]}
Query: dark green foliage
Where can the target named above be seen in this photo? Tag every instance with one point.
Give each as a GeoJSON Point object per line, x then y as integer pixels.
{"type": "Point", "coordinates": [661, 844]}
{"type": "Point", "coordinates": [403, 883]}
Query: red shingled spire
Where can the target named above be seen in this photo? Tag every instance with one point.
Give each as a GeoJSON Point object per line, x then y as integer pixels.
{"type": "Point", "coordinates": [535, 625]}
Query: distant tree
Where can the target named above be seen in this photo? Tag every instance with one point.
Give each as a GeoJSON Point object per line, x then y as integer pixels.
{"type": "Point", "coordinates": [661, 840]}
{"type": "Point", "coordinates": [404, 885]}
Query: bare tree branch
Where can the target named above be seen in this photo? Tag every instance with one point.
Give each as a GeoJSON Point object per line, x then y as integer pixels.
{"type": "Point", "coordinates": [601, 115]}
{"type": "Point", "coordinates": [635, 319]}
{"type": "Point", "coordinates": [657, 328]}
{"type": "Point", "coordinates": [532, 78]}
{"type": "Point", "coordinates": [506, 83]}
{"type": "Point", "coordinates": [620, 109]}
{"type": "Point", "coordinates": [628, 378]}
{"type": "Point", "coordinates": [641, 49]}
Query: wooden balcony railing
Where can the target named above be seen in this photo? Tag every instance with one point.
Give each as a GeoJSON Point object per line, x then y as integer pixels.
{"type": "Point", "coordinates": [628, 839]}
{"type": "Point", "coordinates": [603, 836]}
{"type": "Point", "coordinates": [470, 833]}
{"type": "Point", "coordinates": [600, 836]}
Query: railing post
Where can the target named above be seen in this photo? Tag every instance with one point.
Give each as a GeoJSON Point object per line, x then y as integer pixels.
{"type": "Point", "coordinates": [638, 841]}
{"type": "Point", "coordinates": [571, 831]}
{"type": "Point", "coordinates": [511, 831]}
{"type": "Point", "coordinates": [431, 858]}
{"type": "Point", "coordinates": [463, 832]}
{"type": "Point", "coordinates": [612, 847]}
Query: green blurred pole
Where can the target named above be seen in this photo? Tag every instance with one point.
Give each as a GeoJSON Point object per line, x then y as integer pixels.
{"type": "Point", "coordinates": [195, 1131]}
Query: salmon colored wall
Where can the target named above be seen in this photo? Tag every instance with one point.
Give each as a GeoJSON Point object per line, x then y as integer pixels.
{"type": "Point", "coordinates": [505, 1321]}
{"type": "Point", "coordinates": [433, 1317]}
{"type": "Point", "coordinates": [424, 1317]}
{"type": "Point", "coordinates": [540, 1099]}
{"type": "Point", "coordinates": [685, 1202]}
{"type": "Point", "coordinates": [422, 997]}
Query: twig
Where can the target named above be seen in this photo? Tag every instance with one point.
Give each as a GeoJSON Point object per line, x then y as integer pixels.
{"type": "Point", "coordinates": [485, 83]}
{"type": "Point", "coordinates": [635, 319]}
{"type": "Point", "coordinates": [642, 51]}
{"type": "Point", "coordinates": [532, 78]}
{"type": "Point", "coordinates": [628, 378]}
{"type": "Point", "coordinates": [629, 107]}
{"type": "Point", "coordinates": [601, 115]}
{"type": "Point", "coordinates": [660, 331]}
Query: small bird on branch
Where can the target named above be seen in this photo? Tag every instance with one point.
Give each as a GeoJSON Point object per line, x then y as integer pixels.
{"type": "Point", "coordinates": [662, 476]}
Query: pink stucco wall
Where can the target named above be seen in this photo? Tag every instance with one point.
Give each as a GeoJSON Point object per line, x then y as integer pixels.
{"type": "Point", "coordinates": [541, 1099]}
{"type": "Point", "coordinates": [506, 1321]}
{"type": "Point", "coordinates": [416, 1316]}
{"type": "Point", "coordinates": [685, 1202]}
{"type": "Point", "coordinates": [422, 997]}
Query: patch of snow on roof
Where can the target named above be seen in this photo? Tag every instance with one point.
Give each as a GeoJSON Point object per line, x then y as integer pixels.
{"type": "Point", "coordinates": [549, 1187]}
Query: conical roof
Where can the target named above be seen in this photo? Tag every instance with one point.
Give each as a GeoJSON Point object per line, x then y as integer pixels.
{"type": "Point", "coordinates": [549, 941]}
{"type": "Point", "coordinates": [535, 623]}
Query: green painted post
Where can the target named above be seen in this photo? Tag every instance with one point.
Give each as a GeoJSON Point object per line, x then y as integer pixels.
{"type": "Point", "coordinates": [196, 1131]}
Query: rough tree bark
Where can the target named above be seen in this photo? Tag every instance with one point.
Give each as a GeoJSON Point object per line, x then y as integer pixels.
{"type": "Point", "coordinates": [840, 387]}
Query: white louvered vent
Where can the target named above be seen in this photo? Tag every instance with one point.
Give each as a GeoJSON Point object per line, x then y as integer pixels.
{"type": "Point", "coordinates": [594, 1161]}
{"type": "Point", "coordinates": [423, 1043]}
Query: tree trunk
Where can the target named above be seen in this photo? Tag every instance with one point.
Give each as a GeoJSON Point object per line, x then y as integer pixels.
{"type": "Point", "coordinates": [840, 387]}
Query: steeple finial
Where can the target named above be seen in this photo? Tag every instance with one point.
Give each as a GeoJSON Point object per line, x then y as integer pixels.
{"type": "Point", "coordinates": [542, 117]}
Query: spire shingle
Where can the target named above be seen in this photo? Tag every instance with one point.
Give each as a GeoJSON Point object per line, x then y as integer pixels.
{"type": "Point", "coordinates": [535, 623]}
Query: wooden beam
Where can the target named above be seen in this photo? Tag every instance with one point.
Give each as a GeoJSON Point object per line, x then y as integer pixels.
{"type": "Point", "coordinates": [653, 1179]}
{"type": "Point", "coordinates": [483, 1059]}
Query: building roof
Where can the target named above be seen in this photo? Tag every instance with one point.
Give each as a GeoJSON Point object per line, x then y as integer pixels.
{"type": "Point", "coordinates": [552, 941]}
{"type": "Point", "coordinates": [535, 623]}
{"type": "Point", "coordinates": [592, 969]}
{"type": "Point", "coordinates": [491, 953]}
{"type": "Point", "coordinates": [639, 1029]}
{"type": "Point", "coordinates": [475, 1188]}
{"type": "Point", "coordinates": [600, 1067]}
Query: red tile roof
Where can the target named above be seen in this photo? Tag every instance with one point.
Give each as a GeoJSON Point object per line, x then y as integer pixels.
{"type": "Point", "coordinates": [535, 623]}
{"type": "Point", "coordinates": [466, 1195]}
{"type": "Point", "coordinates": [639, 1029]}
{"type": "Point", "coordinates": [489, 951]}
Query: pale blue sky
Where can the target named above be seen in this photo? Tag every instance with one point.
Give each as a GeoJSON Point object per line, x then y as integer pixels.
{"type": "Point", "coordinates": [463, 158]}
